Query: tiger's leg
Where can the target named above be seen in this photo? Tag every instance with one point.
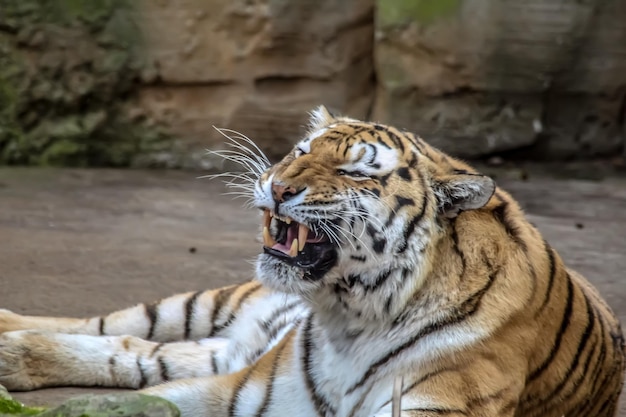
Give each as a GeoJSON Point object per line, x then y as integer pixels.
{"type": "Point", "coordinates": [188, 316]}
{"type": "Point", "coordinates": [283, 383]}
{"type": "Point", "coordinates": [31, 359]}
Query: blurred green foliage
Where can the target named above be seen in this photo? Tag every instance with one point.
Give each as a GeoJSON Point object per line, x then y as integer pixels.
{"type": "Point", "coordinates": [398, 12]}
{"type": "Point", "coordinates": [67, 68]}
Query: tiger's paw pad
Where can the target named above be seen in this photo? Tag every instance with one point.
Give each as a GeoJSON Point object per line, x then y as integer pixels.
{"type": "Point", "coordinates": [23, 364]}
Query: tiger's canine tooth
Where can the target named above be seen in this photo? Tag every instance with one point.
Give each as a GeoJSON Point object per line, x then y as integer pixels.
{"type": "Point", "coordinates": [267, 218]}
{"type": "Point", "coordinates": [294, 248]}
{"type": "Point", "coordinates": [303, 232]}
{"type": "Point", "coordinates": [288, 220]}
{"type": "Point", "coordinates": [267, 238]}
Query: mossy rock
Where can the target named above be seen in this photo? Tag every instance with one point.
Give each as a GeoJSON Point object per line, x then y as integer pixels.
{"type": "Point", "coordinates": [10, 407]}
{"type": "Point", "coordinates": [112, 405]}
{"type": "Point", "coordinates": [400, 12]}
{"type": "Point", "coordinates": [68, 106]}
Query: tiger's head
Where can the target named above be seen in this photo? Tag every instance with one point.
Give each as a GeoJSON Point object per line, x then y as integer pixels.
{"type": "Point", "coordinates": [355, 208]}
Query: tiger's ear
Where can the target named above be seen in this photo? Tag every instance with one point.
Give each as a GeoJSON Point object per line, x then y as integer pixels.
{"type": "Point", "coordinates": [320, 118]}
{"type": "Point", "coordinates": [462, 192]}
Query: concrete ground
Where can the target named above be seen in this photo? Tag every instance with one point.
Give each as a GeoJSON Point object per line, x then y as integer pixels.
{"type": "Point", "coordinates": [86, 242]}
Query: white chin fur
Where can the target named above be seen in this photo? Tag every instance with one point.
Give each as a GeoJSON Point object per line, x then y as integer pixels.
{"type": "Point", "coordinates": [284, 278]}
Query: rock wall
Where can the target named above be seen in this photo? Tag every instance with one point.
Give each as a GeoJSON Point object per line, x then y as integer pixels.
{"type": "Point", "coordinates": [142, 82]}
{"type": "Point", "coordinates": [484, 76]}
{"type": "Point", "coordinates": [255, 66]}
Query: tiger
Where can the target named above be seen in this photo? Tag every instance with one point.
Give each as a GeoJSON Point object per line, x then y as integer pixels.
{"type": "Point", "coordinates": [383, 260]}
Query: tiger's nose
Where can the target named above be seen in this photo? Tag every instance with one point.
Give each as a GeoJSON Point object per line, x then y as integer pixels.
{"type": "Point", "coordinates": [282, 193]}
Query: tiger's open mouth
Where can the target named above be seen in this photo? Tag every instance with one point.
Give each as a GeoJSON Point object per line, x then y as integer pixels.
{"type": "Point", "coordinates": [295, 244]}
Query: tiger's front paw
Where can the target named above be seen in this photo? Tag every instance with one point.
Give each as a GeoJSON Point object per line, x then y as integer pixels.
{"type": "Point", "coordinates": [24, 365]}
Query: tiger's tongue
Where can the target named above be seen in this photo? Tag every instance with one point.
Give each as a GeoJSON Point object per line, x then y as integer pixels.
{"type": "Point", "coordinates": [296, 239]}
{"type": "Point", "coordinates": [298, 235]}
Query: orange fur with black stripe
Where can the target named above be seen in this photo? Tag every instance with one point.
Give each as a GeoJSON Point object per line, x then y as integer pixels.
{"type": "Point", "coordinates": [383, 258]}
